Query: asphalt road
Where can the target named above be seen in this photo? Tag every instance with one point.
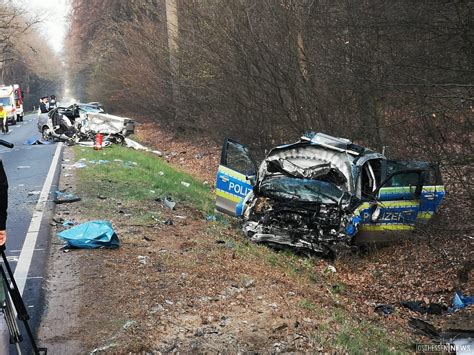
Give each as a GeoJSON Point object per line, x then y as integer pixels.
{"type": "Point", "coordinates": [27, 167]}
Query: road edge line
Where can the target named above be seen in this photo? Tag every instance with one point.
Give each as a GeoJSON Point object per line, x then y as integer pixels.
{"type": "Point", "coordinates": [26, 254]}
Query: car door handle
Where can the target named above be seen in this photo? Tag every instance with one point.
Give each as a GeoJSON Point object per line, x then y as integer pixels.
{"type": "Point", "coordinates": [224, 179]}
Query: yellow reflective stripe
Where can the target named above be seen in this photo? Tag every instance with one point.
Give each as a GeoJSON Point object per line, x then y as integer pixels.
{"type": "Point", "coordinates": [437, 188]}
{"type": "Point", "coordinates": [385, 227]}
{"type": "Point", "coordinates": [363, 206]}
{"type": "Point", "coordinates": [227, 196]}
{"type": "Point", "coordinates": [396, 189]}
{"type": "Point", "coordinates": [409, 203]}
{"type": "Point", "coordinates": [233, 173]}
{"type": "Point", "coordinates": [425, 215]}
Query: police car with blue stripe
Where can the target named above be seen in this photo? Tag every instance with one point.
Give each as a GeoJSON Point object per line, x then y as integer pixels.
{"type": "Point", "coordinates": [323, 193]}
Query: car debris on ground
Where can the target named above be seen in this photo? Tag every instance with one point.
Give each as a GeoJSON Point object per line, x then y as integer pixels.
{"type": "Point", "coordinates": [63, 197]}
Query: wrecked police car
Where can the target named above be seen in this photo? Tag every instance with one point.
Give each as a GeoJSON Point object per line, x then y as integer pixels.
{"type": "Point", "coordinates": [323, 194]}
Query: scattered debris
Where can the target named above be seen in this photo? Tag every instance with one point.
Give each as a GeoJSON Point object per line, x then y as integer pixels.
{"type": "Point", "coordinates": [168, 222]}
{"type": "Point", "coordinates": [460, 301]}
{"type": "Point", "coordinates": [33, 193]}
{"type": "Point", "coordinates": [184, 183]}
{"type": "Point", "coordinates": [384, 309]}
{"type": "Point", "coordinates": [77, 165]}
{"type": "Point", "coordinates": [130, 164]}
{"type": "Point", "coordinates": [280, 327]}
{"type": "Point", "coordinates": [128, 324]}
{"type": "Point", "coordinates": [423, 327]}
{"type": "Point", "coordinates": [24, 167]}
{"type": "Point", "coordinates": [330, 270]}
{"type": "Point", "coordinates": [68, 223]}
{"type": "Point", "coordinates": [103, 348]}
{"type": "Point", "coordinates": [168, 201]}
{"type": "Point", "coordinates": [135, 145]}
{"type": "Point", "coordinates": [62, 197]}
{"type": "Point", "coordinates": [249, 283]}
{"type": "Point", "coordinates": [89, 235]}
{"type": "Point", "coordinates": [421, 307]}
{"type": "Point", "coordinates": [143, 259]}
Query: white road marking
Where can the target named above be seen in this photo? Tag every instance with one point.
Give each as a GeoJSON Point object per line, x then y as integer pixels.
{"type": "Point", "coordinates": [24, 260]}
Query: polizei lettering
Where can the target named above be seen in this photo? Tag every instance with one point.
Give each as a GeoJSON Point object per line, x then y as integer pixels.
{"type": "Point", "coordinates": [239, 189]}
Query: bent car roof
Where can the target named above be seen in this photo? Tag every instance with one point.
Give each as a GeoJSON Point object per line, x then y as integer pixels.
{"type": "Point", "coordinates": [329, 142]}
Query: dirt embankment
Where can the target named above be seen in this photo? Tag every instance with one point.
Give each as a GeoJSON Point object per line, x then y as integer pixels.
{"type": "Point", "coordinates": [194, 285]}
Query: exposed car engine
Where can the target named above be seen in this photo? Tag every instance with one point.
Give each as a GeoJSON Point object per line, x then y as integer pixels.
{"type": "Point", "coordinates": [313, 227]}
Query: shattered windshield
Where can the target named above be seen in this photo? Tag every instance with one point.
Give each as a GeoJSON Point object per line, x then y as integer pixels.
{"type": "Point", "coordinates": [301, 190]}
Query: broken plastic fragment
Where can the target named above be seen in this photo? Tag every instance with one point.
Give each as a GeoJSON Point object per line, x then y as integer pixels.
{"type": "Point", "coordinates": [62, 197]}
{"type": "Point", "coordinates": [168, 201]}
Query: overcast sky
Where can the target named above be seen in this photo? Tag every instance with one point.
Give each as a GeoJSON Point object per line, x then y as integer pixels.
{"type": "Point", "coordinates": [54, 19]}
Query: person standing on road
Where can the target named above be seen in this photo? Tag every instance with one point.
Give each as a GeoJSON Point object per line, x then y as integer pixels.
{"type": "Point", "coordinates": [3, 118]}
{"type": "Point", "coordinates": [3, 204]}
{"type": "Point", "coordinates": [52, 102]}
{"type": "Point", "coordinates": [43, 107]}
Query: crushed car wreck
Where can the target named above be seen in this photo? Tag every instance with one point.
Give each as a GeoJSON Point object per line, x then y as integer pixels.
{"type": "Point", "coordinates": [323, 194]}
{"type": "Point", "coordinates": [81, 122]}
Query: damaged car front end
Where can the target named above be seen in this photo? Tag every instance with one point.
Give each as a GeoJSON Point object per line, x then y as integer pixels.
{"type": "Point", "coordinates": [319, 194]}
{"type": "Point", "coordinates": [303, 208]}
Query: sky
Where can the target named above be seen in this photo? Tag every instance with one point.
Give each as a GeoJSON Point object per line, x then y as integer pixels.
{"type": "Point", "coordinates": [53, 15]}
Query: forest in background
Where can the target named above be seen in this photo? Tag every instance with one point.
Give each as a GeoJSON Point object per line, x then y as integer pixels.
{"type": "Point", "coordinates": [398, 75]}
{"type": "Point", "coordinates": [25, 57]}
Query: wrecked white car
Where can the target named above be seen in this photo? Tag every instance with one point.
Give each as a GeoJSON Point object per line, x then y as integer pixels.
{"type": "Point", "coordinates": [324, 193]}
{"type": "Point", "coordinates": [81, 122]}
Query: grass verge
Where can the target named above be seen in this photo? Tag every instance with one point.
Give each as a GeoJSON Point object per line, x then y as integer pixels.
{"type": "Point", "coordinates": [132, 176]}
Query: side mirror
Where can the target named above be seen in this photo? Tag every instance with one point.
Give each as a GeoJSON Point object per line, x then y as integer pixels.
{"type": "Point", "coordinates": [252, 179]}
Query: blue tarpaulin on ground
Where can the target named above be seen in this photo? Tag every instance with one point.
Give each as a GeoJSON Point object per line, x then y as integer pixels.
{"type": "Point", "coordinates": [35, 140]}
{"type": "Point", "coordinates": [90, 235]}
{"type": "Point", "coordinates": [461, 301]}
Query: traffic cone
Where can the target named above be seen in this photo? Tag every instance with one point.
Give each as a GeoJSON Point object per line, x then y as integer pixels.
{"type": "Point", "coordinates": [98, 141]}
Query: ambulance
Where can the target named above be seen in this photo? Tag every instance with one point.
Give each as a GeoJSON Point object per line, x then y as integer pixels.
{"type": "Point", "coordinates": [11, 97]}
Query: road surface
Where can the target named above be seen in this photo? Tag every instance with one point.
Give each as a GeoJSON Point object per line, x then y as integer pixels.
{"type": "Point", "coordinates": [32, 175]}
